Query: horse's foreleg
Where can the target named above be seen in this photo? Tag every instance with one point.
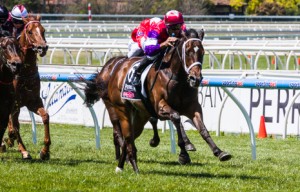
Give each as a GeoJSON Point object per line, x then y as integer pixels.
{"type": "Point", "coordinates": [14, 132]}
{"type": "Point", "coordinates": [12, 135]}
{"type": "Point", "coordinates": [154, 142]}
{"type": "Point", "coordinates": [222, 155]}
{"type": "Point", "coordinates": [189, 146]}
{"type": "Point", "coordinates": [166, 111]}
{"type": "Point", "coordinates": [45, 152]}
{"type": "Point", "coordinates": [2, 145]}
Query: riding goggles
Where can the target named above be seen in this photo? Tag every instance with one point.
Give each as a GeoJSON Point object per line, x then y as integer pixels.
{"type": "Point", "coordinates": [16, 21]}
{"type": "Point", "coordinates": [174, 27]}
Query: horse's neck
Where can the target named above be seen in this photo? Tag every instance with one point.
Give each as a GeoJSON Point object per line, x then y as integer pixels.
{"type": "Point", "coordinates": [29, 63]}
{"type": "Point", "coordinates": [176, 65]}
{"type": "Point", "coordinates": [29, 57]}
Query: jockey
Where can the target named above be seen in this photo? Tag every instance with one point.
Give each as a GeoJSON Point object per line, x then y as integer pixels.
{"type": "Point", "coordinates": [4, 27]}
{"type": "Point", "coordinates": [17, 13]}
{"type": "Point", "coordinates": [152, 36]}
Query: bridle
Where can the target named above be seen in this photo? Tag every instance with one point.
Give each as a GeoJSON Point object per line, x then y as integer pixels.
{"type": "Point", "coordinates": [30, 44]}
{"type": "Point", "coordinates": [187, 69]}
{"type": "Point", "coordinates": [191, 78]}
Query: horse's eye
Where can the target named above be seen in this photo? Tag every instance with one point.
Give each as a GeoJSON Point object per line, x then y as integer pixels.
{"type": "Point", "coordinates": [30, 32]}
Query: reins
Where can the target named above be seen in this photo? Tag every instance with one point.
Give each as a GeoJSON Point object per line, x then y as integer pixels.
{"type": "Point", "coordinates": [156, 74]}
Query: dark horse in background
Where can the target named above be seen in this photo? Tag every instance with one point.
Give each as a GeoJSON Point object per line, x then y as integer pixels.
{"type": "Point", "coordinates": [27, 85]}
{"type": "Point", "coordinates": [172, 91]}
{"type": "Point", "coordinates": [10, 63]}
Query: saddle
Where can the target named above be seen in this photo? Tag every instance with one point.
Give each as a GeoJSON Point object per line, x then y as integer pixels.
{"type": "Point", "coordinates": [131, 92]}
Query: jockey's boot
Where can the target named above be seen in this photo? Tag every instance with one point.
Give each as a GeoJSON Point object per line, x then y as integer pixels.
{"type": "Point", "coordinates": [136, 77]}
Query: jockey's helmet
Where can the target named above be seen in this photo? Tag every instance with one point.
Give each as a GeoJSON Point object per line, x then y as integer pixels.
{"type": "Point", "coordinates": [3, 14]}
{"type": "Point", "coordinates": [19, 11]}
{"type": "Point", "coordinates": [173, 17]}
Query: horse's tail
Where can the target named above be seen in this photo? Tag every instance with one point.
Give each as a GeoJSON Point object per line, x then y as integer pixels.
{"type": "Point", "coordinates": [92, 90]}
{"type": "Point", "coordinates": [96, 87]}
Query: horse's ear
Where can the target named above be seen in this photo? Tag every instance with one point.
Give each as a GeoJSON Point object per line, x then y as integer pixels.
{"type": "Point", "coordinates": [201, 34]}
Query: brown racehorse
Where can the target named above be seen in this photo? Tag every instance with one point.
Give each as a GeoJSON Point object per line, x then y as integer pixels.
{"type": "Point", "coordinates": [10, 62]}
{"type": "Point", "coordinates": [27, 85]}
{"type": "Point", "coordinates": [172, 91]}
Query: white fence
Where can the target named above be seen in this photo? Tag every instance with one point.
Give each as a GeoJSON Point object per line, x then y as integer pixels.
{"type": "Point", "coordinates": [221, 54]}
{"type": "Point", "coordinates": [217, 30]}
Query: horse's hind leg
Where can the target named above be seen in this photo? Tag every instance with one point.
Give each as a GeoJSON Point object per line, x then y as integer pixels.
{"type": "Point", "coordinates": [154, 142]}
{"type": "Point", "coordinates": [117, 135]}
{"type": "Point", "coordinates": [128, 148]}
{"type": "Point", "coordinates": [118, 139]}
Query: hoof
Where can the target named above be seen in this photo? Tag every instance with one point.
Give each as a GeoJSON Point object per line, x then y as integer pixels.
{"type": "Point", "coordinates": [224, 156]}
{"type": "Point", "coordinates": [2, 148]}
{"type": "Point", "coordinates": [44, 156]}
{"type": "Point", "coordinates": [190, 147]}
{"type": "Point", "coordinates": [184, 159]}
{"type": "Point", "coordinates": [154, 143]}
{"type": "Point", "coordinates": [119, 170]}
{"type": "Point", "coordinates": [26, 156]}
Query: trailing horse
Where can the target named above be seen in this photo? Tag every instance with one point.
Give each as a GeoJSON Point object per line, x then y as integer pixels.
{"type": "Point", "coordinates": [10, 63]}
{"type": "Point", "coordinates": [27, 84]}
{"type": "Point", "coordinates": [171, 91]}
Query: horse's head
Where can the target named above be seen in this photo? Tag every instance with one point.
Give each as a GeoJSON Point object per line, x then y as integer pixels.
{"type": "Point", "coordinates": [10, 54]}
{"type": "Point", "coordinates": [190, 53]}
{"type": "Point", "coordinates": [33, 35]}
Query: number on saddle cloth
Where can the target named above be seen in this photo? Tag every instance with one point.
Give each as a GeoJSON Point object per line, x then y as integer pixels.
{"type": "Point", "coordinates": [129, 91]}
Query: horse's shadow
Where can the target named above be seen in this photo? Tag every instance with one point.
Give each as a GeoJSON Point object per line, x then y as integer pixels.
{"type": "Point", "coordinates": [52, 161]}
{"type": "Point", "coordinates": [171, 163]}
{"type": "Point", "coordinates": [177, 173]}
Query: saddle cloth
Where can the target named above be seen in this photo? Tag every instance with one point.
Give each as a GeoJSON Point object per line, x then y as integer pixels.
{"type": "Point", "coordinates": [129, 91]}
